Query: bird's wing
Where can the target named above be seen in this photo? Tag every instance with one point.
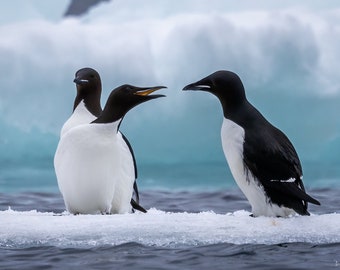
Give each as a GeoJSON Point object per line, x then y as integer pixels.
{"type": "Point", "coordinates": [271, 157]}
{"type": "Point", "coordinates": [275, 164]}
{"type": "Point", "coordinates": [137, 206]}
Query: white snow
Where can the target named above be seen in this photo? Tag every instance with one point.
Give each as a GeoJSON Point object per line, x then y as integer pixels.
{"type": "Point", "coordinates": [158, 228]}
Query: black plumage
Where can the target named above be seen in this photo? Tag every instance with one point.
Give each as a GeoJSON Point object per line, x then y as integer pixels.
{"type": "Point", "coordinates": [268, 155]}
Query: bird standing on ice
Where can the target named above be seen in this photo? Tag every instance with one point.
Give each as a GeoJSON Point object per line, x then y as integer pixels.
{"type": "Point", "coordinates": [87, 108]}
{"type": "Point", "coordinates": [93, 163]}
{"type": "Point", "coordinates": [261, 158]}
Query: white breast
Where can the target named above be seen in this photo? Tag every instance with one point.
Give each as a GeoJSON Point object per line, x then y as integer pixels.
{"type": "Point", "coordinates": [232, 142]}
{"type": "Point", "coordinates": [80, 116]}
{"type": "Point", "coordinates": [93, 171]}
{"type": "Point", "coordinates": [124, 188]}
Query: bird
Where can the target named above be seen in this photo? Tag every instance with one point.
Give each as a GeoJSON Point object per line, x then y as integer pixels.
{"type": "Point", "coordinates": [92, 164]}
{"type": "Point", "coordinates": [261, 158]}
{"type": "Point", "coordinates": [87, 108]}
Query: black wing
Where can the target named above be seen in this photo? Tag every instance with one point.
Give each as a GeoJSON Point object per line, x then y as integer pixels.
{"type": "Point", "coordinates": [272, 159]}
{"type": "Point", "coordinates": [134, 202]}
{"type": "Point", "coordinates": [136, 206]}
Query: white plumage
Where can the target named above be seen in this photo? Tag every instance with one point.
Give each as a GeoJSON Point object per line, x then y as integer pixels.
{"type": "Point", "coordinates": [80, 115]}
{"type": "Point", "coordinates": [93, 168]}
{"type": "Point", "coordinates": [94, 164]}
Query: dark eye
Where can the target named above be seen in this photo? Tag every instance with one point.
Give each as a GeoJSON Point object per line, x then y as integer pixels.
{"type": "Point", "coordinates": [92, 76]}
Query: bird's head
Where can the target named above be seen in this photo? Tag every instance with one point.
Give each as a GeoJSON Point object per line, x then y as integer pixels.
{"type": "Point", "coordinates": [124, 98]}
{"type": "Point", "coordinates": [226, 85]}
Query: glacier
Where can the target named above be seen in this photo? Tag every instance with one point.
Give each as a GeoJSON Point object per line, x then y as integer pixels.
{"type": "Point", "coordinates": [287, 58]}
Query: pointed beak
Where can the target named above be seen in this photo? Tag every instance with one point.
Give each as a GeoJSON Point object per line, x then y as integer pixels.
{"type": "Point", "coordinates": [197, 86]}
{"type": "Point", "coordinates": [80, 81]}
{"type": "Point", "coordinates": [146, 91]}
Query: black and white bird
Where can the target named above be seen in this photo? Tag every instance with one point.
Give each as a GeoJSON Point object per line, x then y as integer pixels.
{"type": "Point", "coordinates": [87, 108]}
{"type": "Point", "coordinates": [93, 164]}
{"type": "Point", "coordinates": [261, 158]}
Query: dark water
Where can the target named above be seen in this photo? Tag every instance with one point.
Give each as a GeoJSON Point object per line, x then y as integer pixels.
{"type": "Point", "coordinates": [139, 256]}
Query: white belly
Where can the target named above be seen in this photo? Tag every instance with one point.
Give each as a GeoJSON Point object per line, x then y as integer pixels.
{"type": "Point", "coordinates": [124, 188]}
{"type": "Point", "coordinates": [93, 172]}
{"type": "Point", "coordinates": [232, 142]}
{"type": "Point", "coordinates": [80, 116]}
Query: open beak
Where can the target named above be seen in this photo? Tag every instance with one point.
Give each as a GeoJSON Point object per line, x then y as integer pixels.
{"type": "Point", "coordinates": [146, 91]}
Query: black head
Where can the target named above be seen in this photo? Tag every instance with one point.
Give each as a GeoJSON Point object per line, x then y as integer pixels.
{"type": "Point", "coordinates": [226, 85]}
{"type": "Point", "coordinates": [124, 98]}
{"type": "Point", "coordinates": [89, 89]}
{"type": "Point", "coordinates": [87, 77]}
